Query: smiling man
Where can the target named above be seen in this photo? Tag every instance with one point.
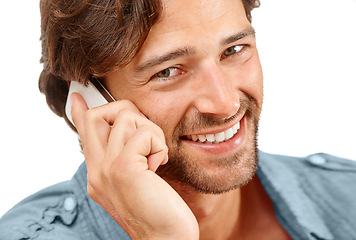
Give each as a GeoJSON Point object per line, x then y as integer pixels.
{"type": "Point", "coordinates": [199, 83]}
{"type": "Point", "coordinates": [174, 154]}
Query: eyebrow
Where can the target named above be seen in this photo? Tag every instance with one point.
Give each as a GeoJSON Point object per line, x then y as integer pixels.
{"type": "Point", "coordinates": [245, 33]}
{"type": "Point", "coordinates": [187, 51]}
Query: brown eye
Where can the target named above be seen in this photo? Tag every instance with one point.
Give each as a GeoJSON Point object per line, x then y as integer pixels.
{"type": "Point", "coordinates": [168, 73]}
{"type": "Point", "coordinates": [164, 73]}
{"type": "Point", "coordinates": [232, 50]}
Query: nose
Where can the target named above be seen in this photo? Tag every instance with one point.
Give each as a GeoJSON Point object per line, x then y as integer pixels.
{"type": "Point", "coordinates": [216, 92]}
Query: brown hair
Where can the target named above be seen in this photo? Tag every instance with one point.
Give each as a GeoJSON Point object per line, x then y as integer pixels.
{"type": "Point", "coordinates": [85, 39]}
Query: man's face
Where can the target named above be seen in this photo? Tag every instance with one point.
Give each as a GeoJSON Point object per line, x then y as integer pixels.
{"type": "Point", "coordinates": [198, 75]}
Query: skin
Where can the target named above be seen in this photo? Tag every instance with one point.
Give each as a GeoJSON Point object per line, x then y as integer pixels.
{"type": "Point", "coordinates": [133, 146]}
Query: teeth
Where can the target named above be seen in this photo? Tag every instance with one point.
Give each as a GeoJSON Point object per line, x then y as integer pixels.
{"type": "Point", "coordinates": [236, 127]}
{"type": "Point", "coordinates": [202, 138]}
{"type": "Point", "coordinates": [217, 137]}
{"type": "Point", "coordinates": [220, 137]}
{"type": "Point", "coordinates": [210, 138]}
{"type": "Point", "coordinates": [229, 133]}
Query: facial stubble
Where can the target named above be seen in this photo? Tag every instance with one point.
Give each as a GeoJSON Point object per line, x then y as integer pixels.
{"type": "Point", "coordinates": [237, 169]}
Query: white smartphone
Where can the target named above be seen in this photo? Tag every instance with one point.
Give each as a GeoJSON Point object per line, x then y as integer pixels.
{"type": "Point", "coordinates": [94, 94]}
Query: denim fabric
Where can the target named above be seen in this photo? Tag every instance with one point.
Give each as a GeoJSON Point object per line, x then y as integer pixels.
{"type": "Point", "coordinates": [314, 198]}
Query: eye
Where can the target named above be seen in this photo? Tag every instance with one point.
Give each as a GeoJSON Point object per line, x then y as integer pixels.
{"type": "Point", "coordinates": [232, 50]}
{"type": "Point", "coordinates": [167, 73]}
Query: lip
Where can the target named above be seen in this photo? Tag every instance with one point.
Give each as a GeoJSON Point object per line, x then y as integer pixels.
{"type": "Point", "coordinates": [216, 130]}
{"type": "Point", "coordinates": [226, 147]}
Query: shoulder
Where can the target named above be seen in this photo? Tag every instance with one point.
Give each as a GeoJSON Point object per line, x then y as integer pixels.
{"type": "Point", "coordinates": [325, 180]}
{"type": "Point", "coordinates": [334, 176]}
{"type": "Point", "coordinates": [48, 214]}
{"type": "Point", "coordinates": [331, 169]}
{"type": "Point", "coordinates": [63, 211]}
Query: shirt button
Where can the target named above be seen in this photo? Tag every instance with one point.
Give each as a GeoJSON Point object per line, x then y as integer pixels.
{"type": "Point", "coordinates": [69, 204]}
{"type": "Point", "coordinates": [317, 160]}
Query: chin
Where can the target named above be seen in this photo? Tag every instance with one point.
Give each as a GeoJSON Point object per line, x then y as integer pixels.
{"type": "Point", "coordinates": [190, 167]}
{"type": "Point", "coordinates": [217, 175]}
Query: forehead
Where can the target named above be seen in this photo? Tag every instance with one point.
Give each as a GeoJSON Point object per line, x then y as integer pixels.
{"type": "Point", "coordinates": [194, 22]}
{"type": "Point", "coordinates": [197, 12]}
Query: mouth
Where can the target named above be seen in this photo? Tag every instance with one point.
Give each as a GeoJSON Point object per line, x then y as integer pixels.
{"type": "Point", "coordinates": [216, 138]}
{"type": "Point", "coordinates": [218, 142]}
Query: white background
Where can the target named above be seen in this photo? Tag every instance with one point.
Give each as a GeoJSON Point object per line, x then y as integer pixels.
{"type": "Point", "coordinates": [308, 52]}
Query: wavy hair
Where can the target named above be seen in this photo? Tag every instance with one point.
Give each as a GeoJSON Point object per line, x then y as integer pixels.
{"type": "Point", "coordinates": [85, 39]}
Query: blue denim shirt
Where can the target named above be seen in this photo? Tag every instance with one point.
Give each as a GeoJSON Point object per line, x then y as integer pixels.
{"type": "Point", "coordinates": [314, 198]}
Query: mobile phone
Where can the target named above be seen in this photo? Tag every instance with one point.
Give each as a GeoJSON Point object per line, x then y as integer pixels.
{"type": "Point", "coordinates": [94, 94]}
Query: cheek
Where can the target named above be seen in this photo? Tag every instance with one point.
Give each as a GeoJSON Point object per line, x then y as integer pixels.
{"type": "Point", "coordinates": [165, 109]}
{"type": "Point", "coordinates": [251, 79]}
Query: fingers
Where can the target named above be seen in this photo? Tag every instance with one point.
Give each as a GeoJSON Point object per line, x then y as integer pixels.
{"type": "Point", "coordinates": [92, 141]}
{"type": "Point", "coordinates": [122, 149]}
{"type": "Point", "coordinates": [137, 133]}
{"type": "Point", "coordinates": [79, 107]}
{"type": "Point", "coordinates": [146, 149]}
{"type": "Point", "coordinates": [105, 131]}
{"type": "Point", "coordinates": [94, 125]}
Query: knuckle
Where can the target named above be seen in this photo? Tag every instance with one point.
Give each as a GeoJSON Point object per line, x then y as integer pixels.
{"type": "Point", "coordinates": [145, 128]}
{"type": "Point", "coordinates": [125, 115]}
{"type": "Point", "coordinates": [128, 104]}
{"type": "Point", "coordinates": [125, 121]}
{"type": "Point", "coordinates": [145, 131]}
{"type": "Point", "coordinates": [151, 130]}
{"type": "Point", "coordinates": [160, 132]}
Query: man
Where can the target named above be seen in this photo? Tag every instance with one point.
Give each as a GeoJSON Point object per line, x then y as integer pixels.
{"type": "Point", "coordinates": [175, 156]}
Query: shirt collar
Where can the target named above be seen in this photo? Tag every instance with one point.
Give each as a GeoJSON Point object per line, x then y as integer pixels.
{"type": "Point", "coordinates": [277, 177]}
{"type": "Point", "coordinates": [295, 210]}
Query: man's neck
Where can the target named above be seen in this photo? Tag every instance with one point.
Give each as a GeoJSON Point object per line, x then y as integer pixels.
{"type": "Point", "coordinates": [239, 214]}
{"type": "Point", "coordinates": [217, 215]}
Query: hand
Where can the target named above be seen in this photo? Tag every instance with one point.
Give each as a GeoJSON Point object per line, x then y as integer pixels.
{"type": "Point", "coordinates": [123, 149]}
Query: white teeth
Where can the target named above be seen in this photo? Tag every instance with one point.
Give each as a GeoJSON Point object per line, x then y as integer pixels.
{"type": "Point", "coordinates": [210, 138]}
{"type": "Point", "coordinates": [202, 138]}
{"type": "Point", "coordinates": [194, 138]}
{"type": "Point", "coordinates": [229, 133]}
{"type": "Point", "coordinates": [217, 137]}
{"type": "Point", "coordinates": [236, 127]}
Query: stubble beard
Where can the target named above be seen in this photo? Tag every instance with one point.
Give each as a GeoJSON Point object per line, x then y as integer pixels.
{"type": "Point", "coordinates": [231, 173]}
